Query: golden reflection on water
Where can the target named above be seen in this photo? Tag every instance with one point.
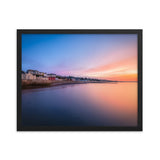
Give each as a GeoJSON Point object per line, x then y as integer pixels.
{"type": "Point", "coordinates": [118, 99]}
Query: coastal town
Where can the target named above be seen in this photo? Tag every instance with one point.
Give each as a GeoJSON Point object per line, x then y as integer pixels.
{"type": "Point", "coordinates": [32, 78]}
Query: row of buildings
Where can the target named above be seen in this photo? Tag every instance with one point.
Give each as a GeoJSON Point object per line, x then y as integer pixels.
{"type": "Point", "coordinates": [36, 75]}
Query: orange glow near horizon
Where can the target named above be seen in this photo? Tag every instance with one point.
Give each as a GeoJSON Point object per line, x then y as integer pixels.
{"type": "Point", "coordinates": [124, 70]}
{"type": "Point", "coordinates": [119, 65]}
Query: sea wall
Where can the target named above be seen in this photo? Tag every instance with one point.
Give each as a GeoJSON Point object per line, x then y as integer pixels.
{"type": "Point", "coordinates": [36, 82]}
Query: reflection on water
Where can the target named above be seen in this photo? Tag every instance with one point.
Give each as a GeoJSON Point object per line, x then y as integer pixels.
{"type": "Point", "coordinates": [94, 104]}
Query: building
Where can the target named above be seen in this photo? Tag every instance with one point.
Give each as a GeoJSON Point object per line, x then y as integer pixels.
{"type": "Point", "coordinates": [45, 75]}
{"type": "Point", "coordinates": [60, 77]}
{"type": "Point", "coordinates": [36, 75]}
{"type": "Point", "coordinates": [41, 78]}
{"type": "Point", "coordinates": [41, 73]}
{"type": "Point", "coordinates": [34, 72]}
{"type": "Point", "coordinates": [51, 76]}
{"type": "Point", "coordinates": [57, 79]}
{"type": "Point", "coordinates": [30, 76]}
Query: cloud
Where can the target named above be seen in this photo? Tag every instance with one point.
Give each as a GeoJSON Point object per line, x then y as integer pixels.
{"type": "Point", "coordinates": [122, 70]}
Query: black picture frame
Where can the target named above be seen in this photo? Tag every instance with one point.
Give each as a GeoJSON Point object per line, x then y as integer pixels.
{"type": "Point", "coordinates": [20, 127]}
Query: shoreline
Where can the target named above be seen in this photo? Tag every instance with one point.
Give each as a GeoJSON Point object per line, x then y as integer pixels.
{"type": "Point", "coordinates": [43, 84]}
{"type": "Point", "coordinates": [32, 84]}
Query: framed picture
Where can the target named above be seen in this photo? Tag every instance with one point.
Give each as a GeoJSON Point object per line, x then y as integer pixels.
{"type": "Point", "coordinates": [79, 80]}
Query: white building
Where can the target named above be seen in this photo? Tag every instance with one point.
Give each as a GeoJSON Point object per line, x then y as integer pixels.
{"type": "Point", "coordinates": [45, 75]}
{"type": "Point", "coordinates": [35, 72]}
{"type": "Point", "coordinates": [41, 78]}
{"type": "Point", "coordinates": [30, 76]}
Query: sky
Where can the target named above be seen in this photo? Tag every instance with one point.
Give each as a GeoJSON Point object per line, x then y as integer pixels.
{"type": "Point", "coordinates": [102, 56]}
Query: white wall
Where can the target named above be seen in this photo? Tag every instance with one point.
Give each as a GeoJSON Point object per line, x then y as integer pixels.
{"type": "Point", "coordinates": [63, 14]}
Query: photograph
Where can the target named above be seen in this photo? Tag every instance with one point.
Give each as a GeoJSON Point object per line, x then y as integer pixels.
{"type": "Point", "coordinates": [79, 80]}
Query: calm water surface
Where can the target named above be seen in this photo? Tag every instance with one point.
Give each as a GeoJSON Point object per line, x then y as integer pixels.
{"type": "Point", "coordinates": [92, 104]}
